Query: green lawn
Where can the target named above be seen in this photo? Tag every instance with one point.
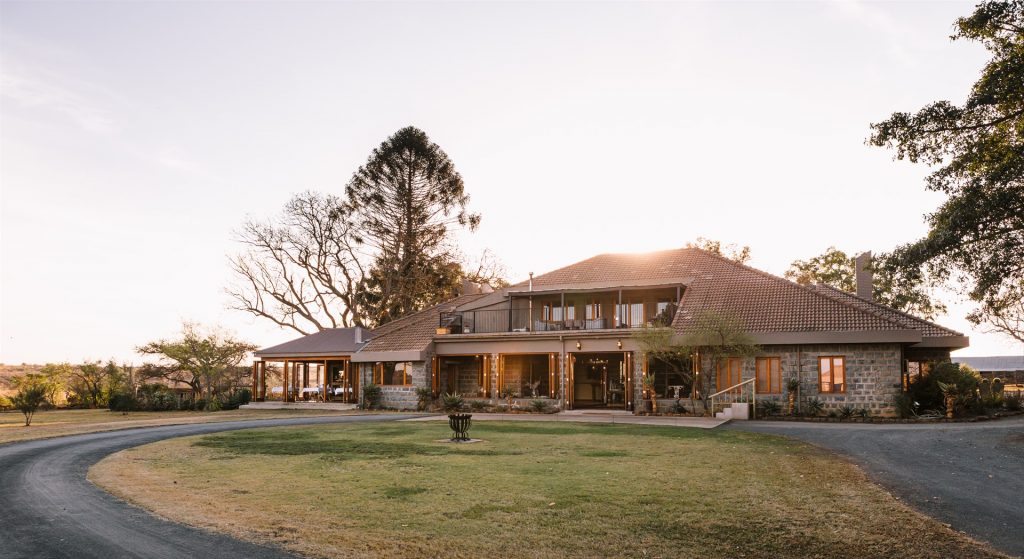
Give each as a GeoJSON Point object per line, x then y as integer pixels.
{"type": "Point", "coordinates": [529, 490]}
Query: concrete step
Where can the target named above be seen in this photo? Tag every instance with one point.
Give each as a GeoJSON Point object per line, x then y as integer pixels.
{"type": "Point", "coordinates": [322, 406]}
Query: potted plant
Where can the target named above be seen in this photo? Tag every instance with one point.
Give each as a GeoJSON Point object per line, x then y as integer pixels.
{"type": "Point", "coordinates": [459, 422]}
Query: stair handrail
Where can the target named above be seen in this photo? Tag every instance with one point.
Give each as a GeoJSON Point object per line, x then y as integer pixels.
{"type": "Point", "coordinates": [753, 394]}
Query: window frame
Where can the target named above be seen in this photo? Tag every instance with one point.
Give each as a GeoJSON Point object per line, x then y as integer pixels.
{"type": "Point", "coordinates": [728, 362]}
{"type": "Point", "coordinates": [777, 377]}
{"type": "Point", "coordinates": [378, 373]}
{"type": "Point", "coordinates": [832, 359]}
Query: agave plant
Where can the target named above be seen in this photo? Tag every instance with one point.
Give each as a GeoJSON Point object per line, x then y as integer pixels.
{"type": "Point", "coordinates": [846, 412]}
{"type": "Point", "coordinates": [769, 407]}
{"type": "Point", "coordinates": [452, 402]}
{"type": "Point", "coordinates": [814, 407]}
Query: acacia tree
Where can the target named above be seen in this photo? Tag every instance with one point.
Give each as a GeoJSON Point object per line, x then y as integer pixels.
{"type": "Point", "coordinates": [713, 336]}
{"type": "Point", "coordinates": [200, 359]}
{"type": "Point", "coordinates": [87, 382]}
{"type": "Point", "coordinates": [406, 199]}
{"type": "Point", "coordinates": [976, 236]}
{"type": "Point", "coordinates": [659, 344]}
{"type": "Point", "coordinates": [890, 287]}
{"type": "Point", "coordinates": [303, 269]}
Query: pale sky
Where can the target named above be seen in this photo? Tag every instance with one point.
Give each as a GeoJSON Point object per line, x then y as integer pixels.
{"type": "Point", "coordinates": [134, 137]}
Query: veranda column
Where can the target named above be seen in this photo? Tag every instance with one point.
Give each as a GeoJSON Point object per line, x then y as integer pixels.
{"type": "Point", "coordinates": [263, 381]}
{"type": "Point", "coordinates": [286, 392]}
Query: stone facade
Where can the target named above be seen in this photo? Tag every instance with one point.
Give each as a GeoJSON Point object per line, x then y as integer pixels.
{"type": "Point", "coordinates": [398, 397]}
{"type": "Point", "coordinates": [873, 376]}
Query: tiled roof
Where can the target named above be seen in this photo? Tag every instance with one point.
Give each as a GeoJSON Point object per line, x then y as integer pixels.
{"type": "Point", "coordinates": [767, 303]}
{"type": "Point", "coordinates": [623, 267]}
{"type": "Point", "coordinates": [413, 332]}
{"type": "Point", "coordinates": [928, 329]}
{"type": "Point", "coordinates": [326, 342]}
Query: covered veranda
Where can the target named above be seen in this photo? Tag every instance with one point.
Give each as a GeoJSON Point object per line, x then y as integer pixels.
{"type": "Point", "coordinates": [313, 368]}
{"type": "Point", "coordinates": [305, 379]}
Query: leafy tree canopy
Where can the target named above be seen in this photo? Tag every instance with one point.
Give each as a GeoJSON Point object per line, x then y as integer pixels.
{"type": "Point", "coordinates": [890, 288]}
{"type": "Point", "coordinates": [977, 236]}
{"type": "Point", "coordinates": [202, 359]}
{"type": "Point", "coordinates": [730, 251]}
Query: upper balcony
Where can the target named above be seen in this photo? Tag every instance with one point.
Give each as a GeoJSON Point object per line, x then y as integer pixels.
{"type": "Point", "coordinates": [546, 312]}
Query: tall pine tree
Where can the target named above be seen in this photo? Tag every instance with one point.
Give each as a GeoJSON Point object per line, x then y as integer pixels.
{"type": "Point", "coordinates": [408, 198]}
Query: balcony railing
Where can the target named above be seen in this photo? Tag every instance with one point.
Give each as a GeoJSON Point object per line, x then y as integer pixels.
{"type": "Point", "coordinates": [520, 320]}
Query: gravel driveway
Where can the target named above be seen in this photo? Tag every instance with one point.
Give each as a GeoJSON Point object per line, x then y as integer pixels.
{"type": "Point", "coordinates": [968, 475]}
{"type": "Point", "coordinates": [49, 509]}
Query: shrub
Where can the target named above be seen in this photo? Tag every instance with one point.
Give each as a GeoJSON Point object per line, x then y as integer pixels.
{"type": "Point", "coordinates": [28, 399]}
{"type": "Point", "coordinates": [768, 407]}
{"type": "Point", "coordinates": [678, 407]}
{"type": "Point", "coordinates": [539, 406]}
{"type": "Point", "coordinates": [452, 403]}
{"type": "Point", "coordinates": [926, 392]}
{"type": "Point", "coordinates": [1012, 402]}
{"type": "Point", "coordinates": [371, 396]}
{"type": "Point", "coordinates": [236, 400]}
{"type": "Point", "coordinates": [846, 412]}
{"type": "Point", "coordinates": [123, 402]}
{"type": "Point", "coordinates": [832, 414]}
{"type": "Point", "coordinates": [5, 403]}
{"type": "Point", "coordinates": [813, 407]}
{"type": "Point", "coordinates": [478, 405]}
{"type": "Point", "coordinates": [424, 396]}
{"type": "Point", "coordinates": [507, 393]}
{"type": "Point", "coordinates": [906, 407]}
{"type": "Point", "coordinates": [862, 413]}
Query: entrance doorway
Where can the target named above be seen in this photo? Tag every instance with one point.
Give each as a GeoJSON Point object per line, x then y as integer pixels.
{"type": "Point", "coordinates": [600, 380]}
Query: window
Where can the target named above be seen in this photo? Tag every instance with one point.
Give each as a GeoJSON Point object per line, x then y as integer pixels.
{"type": "Point", "coordinates": [529, 375]}
{"type": "Point", "coordinates": [554, 313]}
{"type": "Point", "coordinates": [670, 375]}
{"type": "Point", "coordinates": [393, 374]}
{"type": "Point", "coordinates": [593, 310]}
{"type": "Point", "coordinates": [832, 374]}
{"type": "Point", "coordinates": [630, 315]}
{"type": "Point", "coordinates": [769, 375]}
{"type": "Point", "coordinates": [730, 372]}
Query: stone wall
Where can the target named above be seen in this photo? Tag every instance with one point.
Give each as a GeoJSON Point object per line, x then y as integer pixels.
{"type": "Point", "coordinates": [399, 397]}
{"type": "Point", "coordinates": [872, 374]}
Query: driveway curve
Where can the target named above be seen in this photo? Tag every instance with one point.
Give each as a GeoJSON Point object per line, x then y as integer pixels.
{"type": "Point", "coordinates": [49, 509]}
{"type": "Point", "coordinates": [968, 475]}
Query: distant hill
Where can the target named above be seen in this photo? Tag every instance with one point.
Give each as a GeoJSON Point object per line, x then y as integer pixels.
{"type": "Point", "coordinates": [9, 371]}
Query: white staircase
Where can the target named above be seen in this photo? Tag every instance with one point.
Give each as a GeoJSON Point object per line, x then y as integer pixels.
{"type": "Point", "coordinates": [737, 411]}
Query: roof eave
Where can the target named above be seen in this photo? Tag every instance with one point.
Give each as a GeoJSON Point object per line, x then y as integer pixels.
{"type": "Point", "coordinates": [384, 356]}
{"type": "Point", "coordinates": [951, 342]}
{"type": "Point", "coordinates": [837, 337]}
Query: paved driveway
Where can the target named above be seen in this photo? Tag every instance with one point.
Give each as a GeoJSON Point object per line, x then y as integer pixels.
{"type": "Point", "coordinates": [968, 475]}
{"type": "Point", "coordinates": [48, 508]}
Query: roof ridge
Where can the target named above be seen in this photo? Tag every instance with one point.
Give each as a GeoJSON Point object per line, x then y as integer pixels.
{"type": "Point", "coordinates": [890, 309]}
{"type": "Point", "coordinates": [785, 281]}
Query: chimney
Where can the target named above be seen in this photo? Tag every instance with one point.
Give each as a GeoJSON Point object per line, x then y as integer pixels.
{"type": "Point", "coordinates": [865, 278]}
{"type": "Point", "coordinates": [531, 281]}
{"type": "Point", "coordinates": [357, 333]}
